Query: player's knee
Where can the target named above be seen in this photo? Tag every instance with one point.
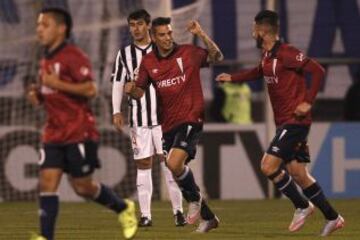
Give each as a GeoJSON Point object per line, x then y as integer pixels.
{"type": "Point", "coordinates": [85, 190]}
{"type": "Point", "coordinates": [46, 187]}
{"type": "Point", "coordinates": [303, 180]}
{"type": "Point", "coordinates": [268, 169]}
{"type": "Point", "coordinates": [174, 167]}
{"type": "Point", "coordinates": [276, 175]}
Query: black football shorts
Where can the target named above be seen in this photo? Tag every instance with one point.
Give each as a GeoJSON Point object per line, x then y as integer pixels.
{"type": "Point", "coordinates": [185, 136]}
{"type": "Point", "coordinates": [290, 143]}
{"type": "Point", "coordinates": [76, 159]}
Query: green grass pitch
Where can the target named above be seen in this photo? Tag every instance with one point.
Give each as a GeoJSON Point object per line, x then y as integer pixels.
{"type": "Point", "coordinates": [246, 219]}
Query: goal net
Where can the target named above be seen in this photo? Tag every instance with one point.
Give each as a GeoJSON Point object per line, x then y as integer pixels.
{"type": "Point", "coordinates": [100, 29]}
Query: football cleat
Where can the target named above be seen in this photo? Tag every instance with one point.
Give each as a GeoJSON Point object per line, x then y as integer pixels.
{"type": "Point", "coordinates": [179, 219]}
{"type": "Point", "coordinates": [35, 236]}
{"type": "Point", "coordinates": [332, 225]}
{"type": "Point", "coordinates": [207, 225]}
{"type": "Point", "coordinates": [194, 209]}
{"type": "Point", "coordinates": [127, 220]}
{"type": "Point", "coordinates": [145, 222]}
{"type": "Point", "coordinates": [300, 216]}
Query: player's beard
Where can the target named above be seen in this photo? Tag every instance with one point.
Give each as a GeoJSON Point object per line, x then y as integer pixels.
{"type": "Point", "coordinates": [259, 42]}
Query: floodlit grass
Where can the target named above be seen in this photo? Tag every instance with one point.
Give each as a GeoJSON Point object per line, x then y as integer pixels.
{"type": "Point", "coordinates": [258, 219]}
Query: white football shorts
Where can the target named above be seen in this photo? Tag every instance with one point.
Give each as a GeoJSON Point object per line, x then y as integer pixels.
{"type": "Point", "coordinates": [146, 141]}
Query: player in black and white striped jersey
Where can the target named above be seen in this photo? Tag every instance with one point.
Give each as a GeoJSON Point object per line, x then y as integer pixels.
{"type": "Point", "coordinates": [146, 133]}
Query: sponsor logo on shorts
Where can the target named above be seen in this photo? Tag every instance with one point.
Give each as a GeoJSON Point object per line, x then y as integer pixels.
{"type": "Point", "coordinates": [275, 149]}
{"type": "Point", "coordinates": [183, 144]}
{"type": "Point", "coordinates": [136, 151]}
{"type": "Point", "coordinates": [85, 168]}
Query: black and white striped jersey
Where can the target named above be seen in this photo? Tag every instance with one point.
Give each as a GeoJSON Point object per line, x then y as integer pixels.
{"type": "Point", "coordinates": [144, 111]}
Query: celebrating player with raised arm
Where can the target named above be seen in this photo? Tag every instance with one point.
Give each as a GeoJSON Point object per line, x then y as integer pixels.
{"type": "Point", "coordinates": [70, 138]}
{"type": "Point", "coordinates": [145, 126]}
{"type": "Point", "coordinates": [174, 70]}
{"type": "Point", "coordinates": [283, 68]}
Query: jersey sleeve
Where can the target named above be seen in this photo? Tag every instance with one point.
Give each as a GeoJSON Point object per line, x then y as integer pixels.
{"type": "Point", "coordinates": [200, 55]}
{"type": "Point", "coordinates": [248, 74]}
{"type": "Point", "coordinates": [80, 67]}
{"type": "Point", "coordinates": [143, 78]}
{"type": "Point", "coordinates": [119, 71]}
{"type": "Point", "coordinates": [118, 80]}
{"type": "Point", "coordinates": [294, 58]}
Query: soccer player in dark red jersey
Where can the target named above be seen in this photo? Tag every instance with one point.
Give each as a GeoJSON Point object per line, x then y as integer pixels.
{"type": "Point", "coordinates": [174, 70]}
{"type": "Point", "coordinates": [70, 138]}
{"type": "Point", "coordinates": [145, 128]}
{"type": "Point", "coordinates": [284, 67]}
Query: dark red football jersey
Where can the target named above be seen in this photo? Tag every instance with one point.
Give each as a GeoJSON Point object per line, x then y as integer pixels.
{"type": "Point", "coordinates": [177, 81]}
{"type": "Point", "coordinates": [69, 118]}
{"type": "Point", "coordinates": [283, 71]}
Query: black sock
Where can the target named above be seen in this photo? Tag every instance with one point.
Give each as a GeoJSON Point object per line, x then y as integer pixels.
{"type": "Point", "coordinates": [109, 199]}
{"type": "Point", "coordinates": [287, 186]}
{"type": "Point", "coordinates": [188, 186]}
{"type": "Point", "coordinates": [49, 207]}
{"type": "Point", "coordinates": [317, 197]}
{"type": "Point", "coordinates": [206, 212]}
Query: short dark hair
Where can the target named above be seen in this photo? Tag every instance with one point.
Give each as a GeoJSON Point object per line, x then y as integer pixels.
{"type": "Point", "coordinates": [269, 18]}
{"type": "Point", "coordinates": [61, 16]}
{"type": "Point", "coordinates": [139, 14]}
{"type": "Point", "coordinates": [160, 21]}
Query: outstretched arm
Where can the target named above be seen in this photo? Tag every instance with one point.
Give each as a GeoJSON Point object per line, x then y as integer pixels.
{"type": "Point", "coordinates": [215, 55]}
{"type": "Point", "coordinates": [242, 76]}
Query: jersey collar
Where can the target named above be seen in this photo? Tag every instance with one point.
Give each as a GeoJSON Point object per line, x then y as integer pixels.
{"type": "Point", "coordinates": [143, 49]}
{"type": "Point", "coordinates": [49, 54]}
{"type": "Point", "coordinates": [157, 54]}
{"type": "Point", "coordinates": [272, 53]}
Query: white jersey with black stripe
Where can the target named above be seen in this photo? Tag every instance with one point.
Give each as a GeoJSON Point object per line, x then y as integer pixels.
{"type": "Point", "coordinates": [144, 111]}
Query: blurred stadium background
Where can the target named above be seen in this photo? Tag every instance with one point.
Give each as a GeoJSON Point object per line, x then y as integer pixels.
{"type": "Point", "coordinates": [229, 155]}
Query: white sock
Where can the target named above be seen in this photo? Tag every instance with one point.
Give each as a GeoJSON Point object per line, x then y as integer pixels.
{"type": "Point", "coordinates": [173, 189]}
{"type": "Point", "coordinates": [145, 188]}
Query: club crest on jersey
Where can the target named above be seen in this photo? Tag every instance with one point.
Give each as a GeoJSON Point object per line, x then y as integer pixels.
{"type": "Point", "coordinates": [155, 71]}
{"type": "Point", "coordinates": [180, 64]}
{"type": "Point", "coordinates": [135, 74]}
{"type": "Point", "coordinates": [84, 71]}
{"type": "Point", "coordinates": [57, 68]}
{"type": "Point", "coordinates": [300, 57]}
{"type": "Point", "coordinates": [136, 151]}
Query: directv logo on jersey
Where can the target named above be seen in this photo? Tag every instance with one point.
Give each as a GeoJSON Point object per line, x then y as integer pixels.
{"type": "Point", "coordinates": [171, 81]}
{"type": "Point", "coordinates": [271, 79]}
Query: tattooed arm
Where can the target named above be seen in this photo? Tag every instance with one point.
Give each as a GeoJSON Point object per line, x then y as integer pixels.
{"type": "Point", "coordinates": [215, 55]}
